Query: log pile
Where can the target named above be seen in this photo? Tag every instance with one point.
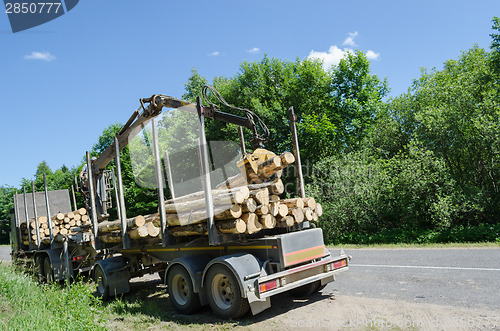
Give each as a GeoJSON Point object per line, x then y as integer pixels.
{"type": "Point", "coordinates": [244, 204]}
{"type": "Point", "coordinates": [63, 225]}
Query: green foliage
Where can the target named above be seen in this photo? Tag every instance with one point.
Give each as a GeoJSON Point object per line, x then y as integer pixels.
{"type": "Point", "coordinates": [25, 305]}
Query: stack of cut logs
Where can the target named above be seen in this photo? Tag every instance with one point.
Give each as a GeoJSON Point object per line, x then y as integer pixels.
{"type": "Point", "coordinates": [62, 225]}
{"type": "Point", "coordinates": [239, 207]}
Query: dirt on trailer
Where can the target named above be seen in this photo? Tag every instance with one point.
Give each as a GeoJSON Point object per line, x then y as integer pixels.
{"type": "Point", "coordinates": [322, 311]}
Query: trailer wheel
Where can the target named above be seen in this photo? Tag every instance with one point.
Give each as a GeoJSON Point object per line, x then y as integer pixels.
{"type": "Point", "coordinates": [306, 290]}
{"type": "Point", "coordinates": [224, 293]}
{"type": "Point", "coordinates": [47, 270]}
{"type": "Point", "coordinates": [181, 292]}
{"type": "Point", "coordinates": [102, 287]}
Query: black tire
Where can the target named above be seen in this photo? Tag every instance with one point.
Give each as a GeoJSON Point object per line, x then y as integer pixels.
{"type": "Point", "coordinates": [181, 291]}
{"type": "Point", "coordinates": [224, 293]}
{"type": "Point", "coordinates": [102, 288]}
{"type": "Point", "coordinates": [306, 290]}
{"type": "Point", "coordinates": [48, 271]}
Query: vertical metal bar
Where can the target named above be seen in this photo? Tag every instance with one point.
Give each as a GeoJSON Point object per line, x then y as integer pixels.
{"type": "Point", "coordinates": [117, 197]}
{"type": "Point", "coordinates": [66, 261]}
{"type": "Point", "coordinates": [76, 184]}
{"type": "Point", "coordinates": [74, 197]}
{"type": "Point", "coordinates": [27, 218]}
{"type": "Point", "coordinates": [39, 239]}
{"type": "Point", "coordinates": [17, 221]}
{"type": "Point", "coordinates": [214, 236]}
{"type": "Point", "coordinates": [298, 163]}
{"type": "Point", "coordinates": [49, 218]}
{"type": "Point", "coordinates": [169, 174]}
{"type": "Point", "coordinates": [242, 140]}
{"type": "Point", "coordinates": [123, 212]}
{"type": "Point", "coordinates": [296, 151]}
{"type": "Point", "coordinates": [90, 178]}
{"type": "Point", "coordinates": [159, 183]}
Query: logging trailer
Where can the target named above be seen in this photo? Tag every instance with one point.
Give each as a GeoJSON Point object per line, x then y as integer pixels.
{"type": "Point", "coordinates": [201, 258]}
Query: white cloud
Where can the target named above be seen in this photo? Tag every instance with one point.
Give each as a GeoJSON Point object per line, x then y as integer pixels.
{"type": "Point", "coordinates": [349, 41]}
{"type": "Point", "coordinates": [371, 55]}
{"type": "Point", "coordinates": [253, 50]}
{"type": "Point", "coordinates": [216, 53]}
{"type": "Point", "coordinates": [330, 58]}
{"type": "Point", "coordinates": [44, 56]}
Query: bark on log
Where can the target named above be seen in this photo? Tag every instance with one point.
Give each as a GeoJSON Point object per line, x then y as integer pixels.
{"type": "Point", "coordinates": [137, 233]}
{"type": "Point", "coordinates": [197, 216]}
{"type": "Point", "coordinates": [111, 237]}
{"type": "Point", "coordinates": [108, 226]}
{"type": "Point", "coordinates": [236, 226]}
{"type": "Point", "coordinates": [292, 203]}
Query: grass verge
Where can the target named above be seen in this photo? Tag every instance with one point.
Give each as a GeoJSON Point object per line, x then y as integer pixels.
{"type": "Point", "coordinates": [27, 305]}
{"type": "Point", "coordinates": [415, 246]}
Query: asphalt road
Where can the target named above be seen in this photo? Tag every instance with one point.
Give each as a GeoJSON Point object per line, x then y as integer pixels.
{"type": "Point", "coordinates": [467, 278]}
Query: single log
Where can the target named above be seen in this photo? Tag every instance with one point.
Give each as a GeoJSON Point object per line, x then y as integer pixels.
{"type": "Point", "coordinates": [274, 208]}
{"type": "Point", "coordinates": [249, 206]}
{"type": "Point", "coordinates": [197, 216]}
{"type": "Point", "coordinates": [261, 196]}
{"type": "Point", "coordinates": [297, 213]}
{"type": "Point", "coordinates": [274, 198]}
{"type": "Point", "coordinates": [111, 237]}
{"type": "Point", "coordinates": [283, 222]}
{"type": "Point", "coordinates": [308, 214]}
{"type": "Point", "coordinates": [78, 217]}
{"type": "Point", "coordinates": [269, 167]}
{"type": "Point", "coordinates": [72, 222]}
{"type": "Point", "coordinates": [85, 218]}
{"type": "Point", "coordinates": [291, 203]}
{"type": "Point", "coordinates": [262, 210]}
{"type": "Point", "coordinates": [318, 210]}
{"type": "Point", "coordinates": [63, 231]}
{"type": "Point", "coordinates": [315, 217]}
{"type": "Point", "coordinates": [282, 210]}
{"type": "Point", "coordinates": [188, 230]}
{"type": "Point", "coordinates": [82, 211]}
{"type": "Point", "coordinates": [252, 222]}
{"type": "Point", "coordinates": [137, 233]}
{"type": "Point", "coordinates": [70, 215]}
{"type": "Point", "coordinates": [236, 197]}
{"type": "Point", "coordinates": [309, 202]}
{"type": "Point", "coordinates": [274, 187]}
{"type": "Point", "coordinates": [153, 231]}
{"type": "Point", "coordinates": [67, 226]}
{"type": "Point", "coordinates": [236, 226]}
{"type": "Point", "coordinates": [66, 220]}
{"type": "Point", "coordinates": [238, 193]}
{"type": "Point", "coordinates": [108, 226]}
{"type": "Point", "coordinates": [232, 182]}
{"type": "Point", "coordinates": [42, 219]}
{"type": "Point", "coordinates": [287, 158]}
{"type": "Point", "coordinates": [60, 216]}
{"type": "Point", "coordinates": [268, 221]}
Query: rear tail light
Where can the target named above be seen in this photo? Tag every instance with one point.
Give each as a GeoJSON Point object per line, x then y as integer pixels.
{"type": "Point", "coordinates": [267, 286]}
{"type": "Point", "coordinates": [79, 258]}
{"type": "Point", "coordinates": [339, 264]}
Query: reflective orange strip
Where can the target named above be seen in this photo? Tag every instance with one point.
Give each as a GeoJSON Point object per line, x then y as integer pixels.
{"type": "Point", "coordinates": [304, 255]}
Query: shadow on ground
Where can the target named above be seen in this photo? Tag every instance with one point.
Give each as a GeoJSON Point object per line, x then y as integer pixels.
{"type": "Point", "coordinates": [150, 298]}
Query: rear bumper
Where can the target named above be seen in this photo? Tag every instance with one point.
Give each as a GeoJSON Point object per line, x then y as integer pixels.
{"type": "Point", "coordinates": [323, 270]}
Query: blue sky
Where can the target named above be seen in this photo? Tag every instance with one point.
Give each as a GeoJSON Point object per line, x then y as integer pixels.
{"type": "Point", "coordinates": [65, 81]}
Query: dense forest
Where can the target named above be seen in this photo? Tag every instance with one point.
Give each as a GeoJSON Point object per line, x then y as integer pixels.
{"type": "Point", "coordinates": [420, 167]}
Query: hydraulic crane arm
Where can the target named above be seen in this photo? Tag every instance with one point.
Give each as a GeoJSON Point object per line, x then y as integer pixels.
{"type": "Point", "coordinates": [152, 107]}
